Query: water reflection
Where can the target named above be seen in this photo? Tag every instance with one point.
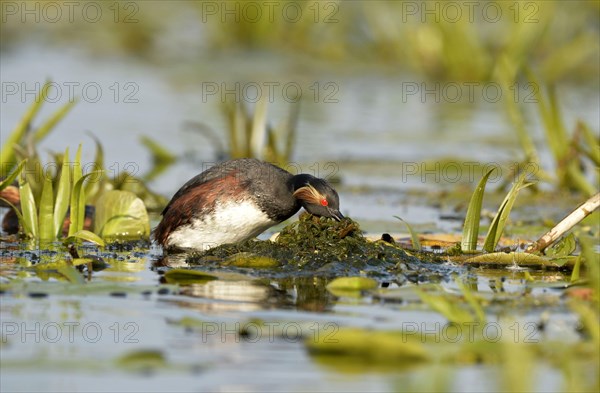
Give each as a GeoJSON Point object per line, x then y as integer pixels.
{"type": "Point", "coordinates": [308, 294]}
{"type": "Point", "coordinates": [249, 292]}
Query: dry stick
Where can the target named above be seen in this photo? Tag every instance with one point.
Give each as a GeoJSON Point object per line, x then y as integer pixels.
{"type": "Point", "coordinates": [567, 223]}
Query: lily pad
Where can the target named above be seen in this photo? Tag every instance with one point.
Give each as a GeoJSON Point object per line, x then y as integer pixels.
{"type": "Point", "coordinates": [188, 276]}
{"type": "Point", "coordinates": [512, 258]}
{"type": "Point", "coordinates": [386, 346]}
{"type": "Point", "coordinates": [142, 361]}
{"type": "Point", "coordinates": [353, 284]}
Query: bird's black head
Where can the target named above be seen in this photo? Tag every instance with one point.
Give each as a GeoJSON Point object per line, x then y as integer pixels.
{"type": "Point", "coordinates": [317, 196]}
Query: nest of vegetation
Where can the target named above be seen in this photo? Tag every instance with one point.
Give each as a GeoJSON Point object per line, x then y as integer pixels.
{"type": "Point", "coordinates": [314, 246]}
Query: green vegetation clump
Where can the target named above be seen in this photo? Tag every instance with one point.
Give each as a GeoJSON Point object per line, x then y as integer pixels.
{"type": "Point", "coordinates": [316, 246]}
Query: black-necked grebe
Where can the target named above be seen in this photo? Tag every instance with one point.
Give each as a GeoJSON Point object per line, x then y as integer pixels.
{"type": "Point", "coordinates": [236, 201]}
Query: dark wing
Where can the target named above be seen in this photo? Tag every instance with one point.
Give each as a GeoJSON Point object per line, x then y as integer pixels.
{"type": "Point", "coordinates": [197, 195]}
{"type": "Point", "coordinates": [222, 170]}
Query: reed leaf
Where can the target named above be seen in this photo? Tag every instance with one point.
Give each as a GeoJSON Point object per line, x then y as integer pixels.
{"type": "Point", "coordinates": [46, 213]}
{"type": "Point", "coordinates": [77, 204]}
{"type": "Point", "coordinates": [591, 142]}
{"type": "Point", "coordinates": [61, 204]}
{"type": "Point", "coordinates": [56, 117]}
{"type": "Point", "coordinates": [413, 235]}
{"type": "Point", "coordinates": [28, 209]}
{"type": "Point", "coordinates": [11, 178]}
{"type": "Point", "coordinates": [94, 186]}
{"type": "Point", "coordinates": [497, 227]}
{"type": "Point", "coordinates": [7, 153]}
{"type": "Point", "coordinates": [77, 212]}
{"type": "Point", "coordinates": [471, 225]}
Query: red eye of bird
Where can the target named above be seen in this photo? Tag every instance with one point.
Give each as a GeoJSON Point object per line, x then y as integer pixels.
{"type": "Point", "coordinates": [324, 202]}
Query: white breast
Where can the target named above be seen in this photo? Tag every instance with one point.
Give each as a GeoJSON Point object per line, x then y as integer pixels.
{"type": "Point", "coordinates": [229, 223]}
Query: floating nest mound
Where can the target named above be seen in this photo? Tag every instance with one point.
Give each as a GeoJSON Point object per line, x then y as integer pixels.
{"type": "Point", "coordinates": [312, 246]}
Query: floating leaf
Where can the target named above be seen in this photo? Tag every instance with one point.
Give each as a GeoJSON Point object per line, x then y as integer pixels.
{"type": "Point", "coordinates": [142, 360]}
{"type": "Point", "coordinates": [512, 258]}
{"type": "Point", "coordinates": [471, 225]}
{"type": "Point", "coordinates": [121, 215]}
{"type": "Point", "coordinates": [367, 344]}
{"type": "Point", "coordinates": [353, 283]}
{"type": "Point", "coordinates": [188, 276]}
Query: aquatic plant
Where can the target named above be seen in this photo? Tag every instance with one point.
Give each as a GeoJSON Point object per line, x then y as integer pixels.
{"type": "Point", "coordinates": [47, 192]}
{"type": "Point", "coordinates": [249, 134]}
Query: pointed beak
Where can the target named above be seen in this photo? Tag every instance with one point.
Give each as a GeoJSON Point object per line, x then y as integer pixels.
{"type": "Point", "coordinates": [336, 214]}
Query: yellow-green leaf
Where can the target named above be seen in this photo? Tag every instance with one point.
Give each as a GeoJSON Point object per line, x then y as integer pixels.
{"type": "Point", "coordinates": [367, 344]}
{"type": "Point", "coordinates": [188, 276]}
{"type": "Point", "coordinates": [11, 178]}
{"type": "Point", "coordinates": [121, 215]}
{"type": "Point", "coordinates": [46, 213]}
{"type": "Point", "coordinates": [497, 227]}
{"type": "Point", "coordinates": [87, 236]}
{"type": "Point", "coordinates": [471, 225]}
{"type": "Point", "coordinates": [413, 235]}
{"type": "Point", "coordinates": [353, 283]}
{"type": "Point", "coordinates": [61, 204]}
{"type": "Point", "coordinates": [28, 209]}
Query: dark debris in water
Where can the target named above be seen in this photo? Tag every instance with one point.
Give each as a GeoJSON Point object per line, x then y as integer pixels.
{"type": "Point", "coordinates": [321, 247]}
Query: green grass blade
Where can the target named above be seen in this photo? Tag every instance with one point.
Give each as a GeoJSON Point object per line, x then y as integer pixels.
{"type": "Point", "coordinates": [56, 117]}
{"type": "Point", "coordinates": [61, 204]}
{"type": "Point", "coordinates": [77, 212]}
{"type": "Point", "coordinates": [11, 178]}
{"type": "Point", "coordinates": [592, 142]}
{"type": "Point", "coordinates": [93, 186]}
{"type": "Point", "coordinates": [471, 225]}
{"type": "Point", "coordinates": [413, 235]}
{"type": "Point", "coordinates": [499, 221]}
{"type": "Point", "coordinates": [7, 153]}
{"type": "Point", "coordinates": [576, 269]}
{"type": "Point", "coordinates": [161, 158]}
{"type": "Point", "coordinates": [46, 212]}
{"type": "Point", "coordinates": [28, 209]}
{"type": "Point", "coordinates": [18, 213]}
